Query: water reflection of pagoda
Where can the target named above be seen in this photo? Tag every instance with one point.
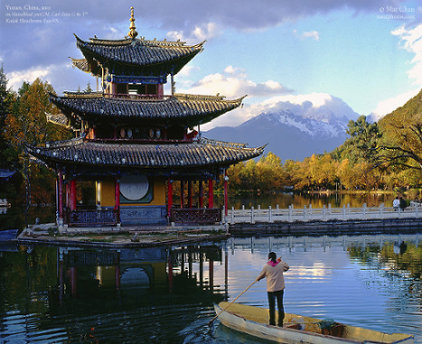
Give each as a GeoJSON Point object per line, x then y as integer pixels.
{"type": "Point", "coordinates": [130, 270]}
{"type": "Point", "coordinates": [135, 142]}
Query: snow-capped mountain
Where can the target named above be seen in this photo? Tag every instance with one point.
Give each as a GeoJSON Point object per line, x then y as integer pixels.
{"type": "Point", "coordinates": [293, 131]}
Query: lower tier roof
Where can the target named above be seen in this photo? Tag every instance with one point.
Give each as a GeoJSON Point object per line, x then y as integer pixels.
{"type": "Point", "coordinates": [182, 109]}
{"type": "Point", "coordinates": [206, 153]}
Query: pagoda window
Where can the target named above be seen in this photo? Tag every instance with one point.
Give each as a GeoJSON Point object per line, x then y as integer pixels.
{"type": "Point", "coordinates": [143, 89]}
{"type": "Point", "coordinates": [175, 133]}
{"type": "Point", "coordinates": [121, 89]}
{"type": "Point", "coordinates": [104, 131]}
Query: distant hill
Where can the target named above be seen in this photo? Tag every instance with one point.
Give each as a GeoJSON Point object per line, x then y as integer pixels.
{"type": "Point", "coordinates": [411, 108]}
{"type": "Point", "coordinates": [293, 131]}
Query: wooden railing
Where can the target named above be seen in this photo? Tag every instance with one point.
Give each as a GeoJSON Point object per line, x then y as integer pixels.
{"type": "Point", "coordinates": [195, 215]}
{"type": "Point", "coordinates": [307, 213]}
{"type": "Point", "coordinates": [91, 217]}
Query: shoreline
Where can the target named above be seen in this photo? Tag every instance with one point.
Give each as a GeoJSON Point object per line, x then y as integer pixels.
{"type": "Point", "coordinates": [152, 236]}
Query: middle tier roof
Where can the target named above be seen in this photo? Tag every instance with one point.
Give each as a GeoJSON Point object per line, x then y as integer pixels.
{"type": "Point", "coordinates": [189, 110]}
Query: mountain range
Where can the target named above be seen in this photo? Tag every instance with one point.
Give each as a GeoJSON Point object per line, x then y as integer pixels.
{"type": "Point", "coordinates": [293, 131]}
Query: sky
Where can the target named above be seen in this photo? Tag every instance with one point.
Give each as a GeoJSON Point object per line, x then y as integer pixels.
{"type": "Point", "coordinates": [366, 53]}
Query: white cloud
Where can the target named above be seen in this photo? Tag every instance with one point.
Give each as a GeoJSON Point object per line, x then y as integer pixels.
{"type": "Point", "coordinates": [29, 75]}
{"type": "Point", "coordinates": [411, 40]}
{"type": "Point", "coordinates": [234, 83]}
{"type": "Point", "coordinates": [311, 34]}
{"type": "Point", "coordinates": [317, 99]}
{"type": "Point", "coordinates": [386, 106]}
{"type": "Point", "coordinates": [305, 105]}
{"type": "Point", "coordinates": [200, 33]}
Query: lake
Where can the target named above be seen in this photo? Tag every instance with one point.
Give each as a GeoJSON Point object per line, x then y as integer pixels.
{"type": "Point", "coordinates": [165, 295]}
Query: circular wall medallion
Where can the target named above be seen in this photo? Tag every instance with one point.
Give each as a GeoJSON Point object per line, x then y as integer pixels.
{"type": "Point", "coordinates": [134, 188]}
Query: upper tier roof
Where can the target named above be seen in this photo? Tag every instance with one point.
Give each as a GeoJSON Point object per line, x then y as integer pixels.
{"type": "Point", "coordinates": [202, 154]}
{"type": "Point", "coordinates": [134, 56]}
{"type": "Point", "coordinates": [181, 109]}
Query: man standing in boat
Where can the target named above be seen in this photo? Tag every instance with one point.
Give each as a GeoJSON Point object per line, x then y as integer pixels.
{"type": "Point", "coordinates": [273, 271]}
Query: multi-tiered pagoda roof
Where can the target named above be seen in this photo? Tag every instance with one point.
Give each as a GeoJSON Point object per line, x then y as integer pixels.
{"type": "Point", "coordinates": [131, 135]}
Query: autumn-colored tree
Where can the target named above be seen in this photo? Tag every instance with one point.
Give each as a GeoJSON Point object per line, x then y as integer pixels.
{"type": "Point", "coordinates": [402, 136]}
{"type": "Point", "coordinates": [27, 123]}
{"type": "Point", "coordinates": [8, 155]}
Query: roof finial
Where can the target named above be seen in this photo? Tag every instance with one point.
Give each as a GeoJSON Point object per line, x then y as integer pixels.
{"type": "Point", "coordinates": [132, 32]}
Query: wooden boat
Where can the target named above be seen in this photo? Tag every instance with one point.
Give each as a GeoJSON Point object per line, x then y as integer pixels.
{"type": "Point", "coordinates": [300, 329]}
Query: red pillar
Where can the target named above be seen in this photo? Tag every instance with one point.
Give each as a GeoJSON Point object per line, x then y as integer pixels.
{"type": "Point", "coordinates": [182, 193]}
{"type": "Point", "coordinates": [160, 91]}
{"type": "Point", "coordinates": [117, 200]}
{"type": "Point", "coordinates": [226, 179]}
{"type": "Point", "coordinates": [169, 197]}
{"type": "Point", "coordinates": [201, 195]}
{"type": "Point", "coordinates": [73, 194]}
{"type": "Point", "coordinates": [189, 194]}
{"type": "Point", "coordinates": [210, 193]}
{"type": "Point", "coordinates": [60, 196]}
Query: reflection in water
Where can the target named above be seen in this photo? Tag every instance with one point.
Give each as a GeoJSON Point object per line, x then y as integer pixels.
{"type": "Point", "coordinates": [165, 294]}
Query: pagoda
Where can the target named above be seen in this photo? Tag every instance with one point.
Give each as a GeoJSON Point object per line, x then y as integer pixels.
{"type": "Point", "coordinates": [133, 142]}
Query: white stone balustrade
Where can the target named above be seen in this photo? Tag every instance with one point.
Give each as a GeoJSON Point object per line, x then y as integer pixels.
{"type": "Point", "coordinates": [308, 213]}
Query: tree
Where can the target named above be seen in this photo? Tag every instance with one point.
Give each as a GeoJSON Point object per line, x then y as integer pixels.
{"type": "Point", "coordinates": [402, 136]}
{"type": "Point", "coordinates": [362, 142]}
{"type": "Point", "coordinates": [8, 155]}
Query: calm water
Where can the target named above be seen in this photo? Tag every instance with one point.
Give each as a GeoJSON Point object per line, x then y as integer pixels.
{"type": "Point", "coordinates": [165, 295]}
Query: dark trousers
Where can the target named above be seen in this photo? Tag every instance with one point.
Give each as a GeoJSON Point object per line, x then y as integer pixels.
{"type": "Point", "coordinates": [272, 296]}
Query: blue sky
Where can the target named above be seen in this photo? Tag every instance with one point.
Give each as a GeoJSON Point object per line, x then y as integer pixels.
{"type": "Point", "coordinates": [367, 53]}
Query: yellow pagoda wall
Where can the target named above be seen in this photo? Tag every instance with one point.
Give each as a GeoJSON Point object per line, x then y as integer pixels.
{"type": "Point", "coordinates": [106, 193]}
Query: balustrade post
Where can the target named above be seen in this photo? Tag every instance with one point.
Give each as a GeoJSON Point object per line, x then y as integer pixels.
{"type": "Point", "coordinates": [329, 208]}
{"type": "Point", "coordinates": [259, 206]}
{"type": "Point", "coordinates": [324, 213]}
{"type": "Point", "coordinates": [270, 215]}
{"type": "Point", "coordinates": [310, 209]}
{"type": "Point", "coordinates": [381, 210]}
{"type": "Point", "coordinates": [252, 215]}
{"type": "Point", "coordinates": [290, 212]}
{"type": "Point", "coordinates": [243, 209]}
{"type": "Point", "coordinates": [304, 213]}
{"type": "Point", "coordinates": [344, 212]}
{"type": "Point", "coordinates": [277, 207]}
{"type": "Point", "coordinates": [348, 208]}
{"type": "Point", "coordinates": [364, 209]}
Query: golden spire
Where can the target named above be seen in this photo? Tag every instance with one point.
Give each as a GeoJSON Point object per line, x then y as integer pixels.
{"type": "Point", "coordinates": [132, 32]}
